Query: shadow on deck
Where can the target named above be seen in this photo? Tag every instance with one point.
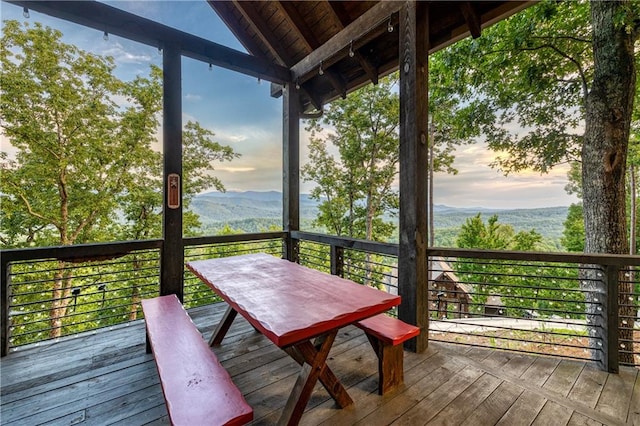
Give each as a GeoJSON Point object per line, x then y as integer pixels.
{"type": "Point", "coordinates": [106, 378]}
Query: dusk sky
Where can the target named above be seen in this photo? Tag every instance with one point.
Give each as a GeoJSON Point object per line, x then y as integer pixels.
{"type": "Point", "coordinates": [242, 114]}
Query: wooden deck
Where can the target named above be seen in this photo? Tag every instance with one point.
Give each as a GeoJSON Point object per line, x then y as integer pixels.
{"type": "Point", "coordinates": [106, 378]}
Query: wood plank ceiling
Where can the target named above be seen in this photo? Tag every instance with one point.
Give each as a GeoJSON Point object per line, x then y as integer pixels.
{"type": "Point", "coordinates": [334, 47]}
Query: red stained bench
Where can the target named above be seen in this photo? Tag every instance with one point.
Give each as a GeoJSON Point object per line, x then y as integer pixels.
{"type": "Point", "coordinates": [386, 335]}
{"type": "Point", "coordinates": [197, 388]}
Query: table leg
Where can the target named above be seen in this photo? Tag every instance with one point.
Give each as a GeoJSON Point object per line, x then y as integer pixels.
{"type": "Point", "coordinates": [314, 367]}
{"type": "Point", "coordinates": [223, 326]}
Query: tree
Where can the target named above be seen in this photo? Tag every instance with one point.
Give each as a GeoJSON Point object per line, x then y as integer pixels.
{"type": "Point", "coordinates": [548, 70]}
{"type": "Point", "coordinates": [81, 158]}
{"type": "Point", "coordinates": [357, 189]}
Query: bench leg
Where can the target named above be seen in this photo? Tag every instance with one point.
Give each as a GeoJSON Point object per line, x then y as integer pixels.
{"type": "Point", "coordinates": [148, 344]}
{"type": "Point", "coordinates": [390, 365]}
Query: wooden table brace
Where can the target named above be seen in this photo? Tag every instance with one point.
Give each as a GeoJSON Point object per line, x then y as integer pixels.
{"type": "Point", "coordinates": [314, 367]}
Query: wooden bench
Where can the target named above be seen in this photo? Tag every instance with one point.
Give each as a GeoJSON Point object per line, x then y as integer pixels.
{"type": "Point", "coordinates": [386, 335]}
{"type": "Point", "coordinates": [197, 388]}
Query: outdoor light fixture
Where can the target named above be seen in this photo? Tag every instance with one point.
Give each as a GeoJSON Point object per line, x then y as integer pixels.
{"type": "Point", "coordinates": [321, 71]}
{"type": "Point", "coordinates": [75, 292]}
{"type": "Point", "coordinates": [210, 67]}
{"type": "Point", "coordinates": [389, 26]}
{"type": "Point", "coordinates": [351, 52]}
{"type": "Point", "coordinates": [25, 12]}
{"type": "Point", "coordinates": [105, 36]}
{"type": "Point", "coordinates": [298, 84]}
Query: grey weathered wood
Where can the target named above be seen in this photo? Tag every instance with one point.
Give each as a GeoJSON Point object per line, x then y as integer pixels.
{"type": "Point", "coordinates": [412, 253]}
{"type": "Point", "coordinates": [540, 371]}
{"type": "Point", "coordinates": [564, 377]}
{"type": "Point", "coordinates": [106, 378]}
{"type": "Point", "coordinates": [616, 395]}
{"type": "Point", "coordinates": [291, 170]}
{"type": "Point", "coordinates": [552, 414]}
{"type": "Point", "coordinates": [523, 411]}
{"type": "Point", "coordinates": [466, 403]}
{"type": "Point", "coordinates": [578, 419]}
{"type": "Point", "coordinates": [634, 407]}
{"type": "Point", "coordinates": [172, 263]}
{"type": "Point", "coordinates": [494, 406]}
{"type": "Point", "coordinates": [588, 386]}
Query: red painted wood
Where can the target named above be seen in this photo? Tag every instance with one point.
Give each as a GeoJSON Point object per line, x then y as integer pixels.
{"type": "Point", "coordinates": [288, 302]}
{"type": "Point", "coordinates": [197, 388]}
{"type": "Point", "coordinates": [389, 330]}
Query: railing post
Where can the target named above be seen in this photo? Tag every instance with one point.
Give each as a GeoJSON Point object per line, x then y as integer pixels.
{"type": "Point", "coordinates": [337, 260]}
{"type": "Point", "coordinates": [5, 274]}
{"type": "Point", "coordinates": [610, 324]}
{"type": "Point", "coordinates": [291, 170]}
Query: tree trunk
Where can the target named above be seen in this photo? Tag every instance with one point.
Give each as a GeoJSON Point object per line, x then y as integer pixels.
{"type": "Point", "coordinates": [60, 300]}
{"type": "Point", "coordinates": [608, 111]}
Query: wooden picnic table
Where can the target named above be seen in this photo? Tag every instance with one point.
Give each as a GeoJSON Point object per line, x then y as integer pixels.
{"type": "Point", "coordinates": [291, 305]}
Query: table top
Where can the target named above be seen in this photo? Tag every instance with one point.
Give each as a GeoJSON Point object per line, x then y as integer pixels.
{"type": "Point", "coordinates": [288, 302]}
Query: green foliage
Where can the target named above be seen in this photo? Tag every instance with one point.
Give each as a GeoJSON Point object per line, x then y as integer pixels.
{"type": "Point", "coordinates": [355, 190]}
{"type": "Point", "coordinates": [573, 235]}
{"type": "Point", "coordinates": [84, 169]}
{"type": "Point", "coordinates": [495, 236]}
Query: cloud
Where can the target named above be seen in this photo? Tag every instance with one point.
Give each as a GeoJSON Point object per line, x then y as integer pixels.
{"type": "Point", "coordinates": [190, 97]}
{"type": "Point", "coordinates": [231, 169]}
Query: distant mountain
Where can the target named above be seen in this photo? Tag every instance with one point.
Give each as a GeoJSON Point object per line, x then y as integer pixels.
{"type": "Point", "coordinates": [252, 211]}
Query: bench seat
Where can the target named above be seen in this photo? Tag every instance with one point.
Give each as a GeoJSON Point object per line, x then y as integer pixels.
{"type": "Point", "coordinates": [386, 335]}
{"type": "Point", "coordinates": [197, 389]}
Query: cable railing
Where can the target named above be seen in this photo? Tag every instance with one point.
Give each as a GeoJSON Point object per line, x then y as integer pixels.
{"type": "Point", "coordinates": [575, 306]}
{"type": "Point", "coordinates": [55, 292]}
{"type": "Point", "coordinates": [571, 305]}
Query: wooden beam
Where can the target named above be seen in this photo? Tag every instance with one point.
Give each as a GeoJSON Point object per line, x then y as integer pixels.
{"type": "Point", "coordinates": [225, 9]}
{"type": "Point", "coordinates": [291, 169]}
{"type": "Point", "coordinates": [472, 18]}
{"type": "Point", "coordinates": [360, 31]}
{"type": "Point", "coordinates": [412, 251]}
{"type": "Point", "coordinates": [172, 257]}
{"type": "Point", "coordinates": [338, 17]}
{"type": "Point", "coordinates": [114, 21]}
{"type": "Point", "coordinates": [258, 24]}
{"type": "Point", "coordinates": [304, 33]}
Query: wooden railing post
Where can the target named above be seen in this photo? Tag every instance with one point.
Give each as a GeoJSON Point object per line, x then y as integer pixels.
{"type": "Point", "coordinates": [5, 274]}
{"type": "Point", "coordinates": [610, 325]}
{"type": "Point", "coordinates": [337, 260]}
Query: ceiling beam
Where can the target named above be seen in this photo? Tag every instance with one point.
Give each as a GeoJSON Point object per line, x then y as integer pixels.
{"type": "Point", "coordinates": [114, 21]}
{"type": "Point", "coordinates": [338, 14]}
{"type": "Point", "coordinates": [360, 31]}
{"type": "Point", "coordinates": [260, 27]}
{"type": "Point", "coordinates": [296, 22]}
{"type": "Point", "coordinates": [472, 18]}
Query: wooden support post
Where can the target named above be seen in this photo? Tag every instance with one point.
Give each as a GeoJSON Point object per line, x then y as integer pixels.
{"type": "Point", "coordinates": [5, 275]}
{"type": "Point", "coordinates": [291, 170]}
{"type": "Point", "coordinates": [611, 321]}
{"type": "Point", "coordinates": [172, 258]}
{"type": "Point", "coordinates": [337, 261]}
{"type": "Point", "coordinates": [412, 259]}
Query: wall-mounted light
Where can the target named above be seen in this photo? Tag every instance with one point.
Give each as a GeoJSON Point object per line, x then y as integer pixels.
{"type": "Point", "coordinates": [25, 12]}
{"type": "Point", "coordinates": [320, 70]}
{"type": "Point", "coordinates": [105, 36]}
{"type": "Point", "coordinates": [351, 52]}
{"type": "Point", "coordinates": [210, 67]}
{"type": "Point", "coordinates": [297, 84]}
{"type": "Point", "coordinates": [389, 26]}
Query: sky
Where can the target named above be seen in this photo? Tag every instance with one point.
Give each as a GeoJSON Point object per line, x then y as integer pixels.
{"type": "Point", "coordinates": [243, 115]}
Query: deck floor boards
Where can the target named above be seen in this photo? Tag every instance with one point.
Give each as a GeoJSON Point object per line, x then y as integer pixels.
{"type": "Point", "coordinates": [106, 378]}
